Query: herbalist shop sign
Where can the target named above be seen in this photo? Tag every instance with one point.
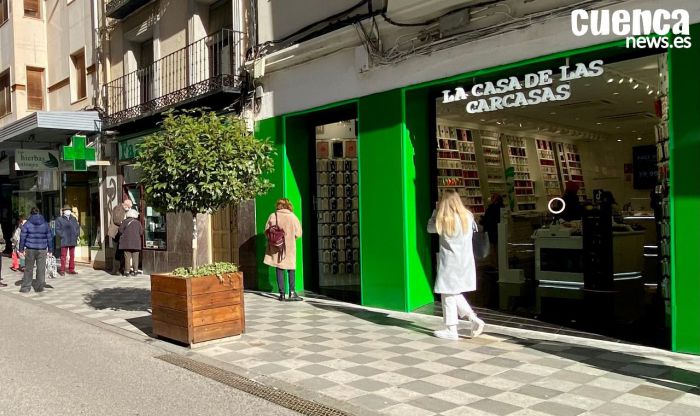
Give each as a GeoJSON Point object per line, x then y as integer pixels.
{"type": "Point", "coordinates": [36, 160]}
{"type": "Point", "coordinates": [512, 92]}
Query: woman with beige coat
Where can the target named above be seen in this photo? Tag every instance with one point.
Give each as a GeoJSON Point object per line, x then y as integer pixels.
{"type": "Point", "coordinates": [284, 258]}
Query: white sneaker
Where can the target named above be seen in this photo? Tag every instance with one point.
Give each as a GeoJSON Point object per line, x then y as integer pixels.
{"type": "Point", "coordinates": [478, 326]}
{"type": "Point", "coordinates": [446, 334]}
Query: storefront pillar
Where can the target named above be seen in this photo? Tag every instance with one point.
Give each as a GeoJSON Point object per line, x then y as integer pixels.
{"type": "Point", "coordinates": [685, 196]}
{"type": "Point", "coordinates": [269, 129]}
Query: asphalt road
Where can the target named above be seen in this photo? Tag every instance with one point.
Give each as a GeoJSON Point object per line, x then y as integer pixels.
{"type": "Point", "coordinates": [52, 364]}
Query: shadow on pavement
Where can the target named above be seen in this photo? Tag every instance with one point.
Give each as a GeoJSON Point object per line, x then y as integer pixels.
{"type": "Point", "coordinates": [623, 365]}
{"type": "Point", "coordinates": [379, 318]}
{"type": "Point", "coordinates": [119, 299]}
{"type": "Point", "coordinates": [143, 324]}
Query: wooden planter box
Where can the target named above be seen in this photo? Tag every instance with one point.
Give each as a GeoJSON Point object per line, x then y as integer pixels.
{"type": "Point", "coordinates": [197, 309]}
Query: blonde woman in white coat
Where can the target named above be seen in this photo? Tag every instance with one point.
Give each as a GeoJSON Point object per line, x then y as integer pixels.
{"type": "Point", "coordinates": [456, 269]}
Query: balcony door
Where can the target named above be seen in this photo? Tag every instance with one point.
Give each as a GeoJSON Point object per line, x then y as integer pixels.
{"type": "Point", "coordinates": [145, 74]}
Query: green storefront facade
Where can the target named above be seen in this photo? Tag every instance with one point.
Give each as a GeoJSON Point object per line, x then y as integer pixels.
{"type": "Point", "coordinates": [395, 196]}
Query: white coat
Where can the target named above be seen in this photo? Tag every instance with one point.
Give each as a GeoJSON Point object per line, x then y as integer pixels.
{"type": "Point", "coordinates": [456, 268]}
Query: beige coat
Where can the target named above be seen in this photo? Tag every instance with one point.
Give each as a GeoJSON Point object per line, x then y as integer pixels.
{"type": "Point", "coordinates": [292, 230]}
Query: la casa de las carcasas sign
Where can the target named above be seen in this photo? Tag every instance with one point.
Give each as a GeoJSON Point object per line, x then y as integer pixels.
{"type": "Point", "coordinates": [535, 88]}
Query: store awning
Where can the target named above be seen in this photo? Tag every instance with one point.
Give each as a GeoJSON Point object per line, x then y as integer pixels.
{"type": "Point", "coordinates": [45, 129]}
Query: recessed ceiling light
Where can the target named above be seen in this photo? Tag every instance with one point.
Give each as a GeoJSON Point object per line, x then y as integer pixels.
{"type": "Point", "coordinates": [617, 127]}
{"type": "Point", "coordinates": [640, 102]}
{"type": "Point", "coordinates": [635, 86]}
{"type": "Point", "coordinates": [619, 140]}
{"type": "Point", "coordinates": [553, 113]}
{"type": "Point", "coordinates": [586, 85]}
{"type": "Point", "coordinates": [634, 131]}
{"type": "Point", "coordinates": [610, 80]}
{"type": "Point", "coordinates": [599, 123]}
{"type": "Point", "coordinates": [616, 93]}
{"type": "Point", "coordinates": [621, 81]}
{"type": "Point", "coordinates": [639, 138]}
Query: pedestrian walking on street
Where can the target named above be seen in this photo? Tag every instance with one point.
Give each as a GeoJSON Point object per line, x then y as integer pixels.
{"type": "Point", "coordinates": [17, 260]}
{"type": "Point", "coordinates": [68, 229]}
{"type": "Point", "coordinates": [118, 215]}
{"type": "Point", "coordinates": [35, 242]}
{"type": "Point", "coordinates": [130, 238]}
{"type": "Point", "coordinates": [2, 250]}
{"type": "Point", "coordinates": [284, 257]}
{"type": "Point", "coordinates": [456, 269]}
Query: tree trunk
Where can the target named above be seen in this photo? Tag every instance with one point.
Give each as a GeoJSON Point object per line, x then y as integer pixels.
{"type": "Point", "coordinates": [194, 240]}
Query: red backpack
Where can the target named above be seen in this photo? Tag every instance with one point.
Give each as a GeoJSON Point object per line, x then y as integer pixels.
{"type": "Point", "coordinates": [275, 238]}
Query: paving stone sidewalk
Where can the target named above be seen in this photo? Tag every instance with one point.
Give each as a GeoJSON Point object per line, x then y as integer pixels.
{"type": "Point", "coordinates": [388, 362]}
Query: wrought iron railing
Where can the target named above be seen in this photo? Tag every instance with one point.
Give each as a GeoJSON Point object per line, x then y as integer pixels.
{"type": "Point", "coordinates": [209, 65]}
{"type": "Point", "coordinates": [118, 9]}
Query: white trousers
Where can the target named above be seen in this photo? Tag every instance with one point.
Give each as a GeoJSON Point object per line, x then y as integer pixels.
{"type": "Point", "coordinates": [455, 307]}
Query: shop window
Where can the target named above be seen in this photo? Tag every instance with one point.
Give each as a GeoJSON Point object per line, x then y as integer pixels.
{"type": "Point", "coordinates": [4, 11]}
{"type": "Point", "coordinates": [153, 221]}
{"type": "Point", "coordinates": [5, 97]}
{"type": "Point", "coordinates": [32, 8]}
{"type": "Point", "coordinates": [79, 76]}
{"type": "Point", "coordinates": [35, 88]}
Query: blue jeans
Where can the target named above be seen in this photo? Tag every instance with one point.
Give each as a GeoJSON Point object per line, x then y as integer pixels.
{"type": "Point", "coordinates": [32, 257]}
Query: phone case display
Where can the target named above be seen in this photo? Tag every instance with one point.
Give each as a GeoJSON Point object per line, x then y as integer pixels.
{"type": "Point", "coordinates": [570, 164]}
{"type": "Point", "coordinates": [493, 162]}
{"type": "Point", "coordinates": [548, 166]}
{"type": "Point", "coordinates": [457, 168]}
{"type": "Point", "coordinates": [337, 214]}
{"type": "Point", "coordinates": [522, 181]}
{"type": "Point", "coordinates": [660, 202]}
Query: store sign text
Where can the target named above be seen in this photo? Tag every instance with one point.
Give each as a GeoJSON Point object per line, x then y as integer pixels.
{"type": "Point", "coordinates": [36, 160]}
{"type": "Point", "coordinates": [535, 88]}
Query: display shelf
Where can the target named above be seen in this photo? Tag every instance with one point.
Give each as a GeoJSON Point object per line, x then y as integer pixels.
{"type": "Point", "coordinates": [456, 152]}
{"type": "Point", "coordinates": [548, 168]}
{"type": "Point", "coordinates": [490, 149]}
{"type": "Point", "coordinates": [523, 185]}
{"type": "Point", "coordinates": [570, 166]}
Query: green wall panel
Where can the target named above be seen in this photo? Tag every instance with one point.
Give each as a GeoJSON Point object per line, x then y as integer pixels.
{"type": "Point", "coordinates": [417, 196]}
{"type": "Point", "coordinates": [297, 187]}
{"type": "Point", "coordinates": [382, 217]}
{"type": "Point", "coordinates": [271, 129]}
{"type": "Point", "coordinates": [685, 196]}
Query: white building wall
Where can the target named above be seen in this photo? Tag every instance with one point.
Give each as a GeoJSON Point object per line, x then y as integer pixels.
{"type": "Point", "coordinates": [317, 72]}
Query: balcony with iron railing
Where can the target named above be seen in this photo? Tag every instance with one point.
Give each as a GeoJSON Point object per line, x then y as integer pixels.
{"type": "Point", "coordinates": [119, 9]}
{"type": "Point", "coordinates": [203, 68]}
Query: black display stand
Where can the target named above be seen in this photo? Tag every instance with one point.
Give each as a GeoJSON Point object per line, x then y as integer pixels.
{"type": "Point", "coordinates": [598, 283]}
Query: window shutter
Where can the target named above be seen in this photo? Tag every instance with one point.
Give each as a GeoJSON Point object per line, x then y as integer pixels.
{"type": "Point", "coordinates": [31, 8]}
{"type": "Point", "coordinates": [5, 97]}
{"type": "Point", "coordinates": [35, 89]}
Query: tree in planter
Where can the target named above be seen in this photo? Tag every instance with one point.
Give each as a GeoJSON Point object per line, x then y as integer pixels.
{"type": "Point", "coordinates": [200, 161]}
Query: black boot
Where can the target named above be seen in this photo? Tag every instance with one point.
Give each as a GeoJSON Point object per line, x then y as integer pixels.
{"type": "Point", "coordinates": [294, 297]}
{"type": "Point", "coordinates": [281, 298]}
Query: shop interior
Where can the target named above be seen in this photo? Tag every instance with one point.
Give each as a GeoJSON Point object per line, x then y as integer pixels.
{"type": "Point", "coordinates": [571, 192]}
{"type": "Point", "coordinates": [336, 210]}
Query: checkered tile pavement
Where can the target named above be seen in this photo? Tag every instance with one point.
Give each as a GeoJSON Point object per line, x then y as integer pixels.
{"type": "Point", "coordinates": [389, 363]}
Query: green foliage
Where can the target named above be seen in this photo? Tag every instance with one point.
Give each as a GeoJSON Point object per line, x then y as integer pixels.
{"type": "Point", "coordinates": [200, 161]}
{"type": "Point", "coordinates": [215, 269]}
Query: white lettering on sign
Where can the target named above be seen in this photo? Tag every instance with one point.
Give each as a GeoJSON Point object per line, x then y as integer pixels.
{"type": "Point", "coordinates": [630, 23]}
{"type": "Point", "coordinates": [535, 88]}
{"type": "Point", "coordinates": [642, 28]}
